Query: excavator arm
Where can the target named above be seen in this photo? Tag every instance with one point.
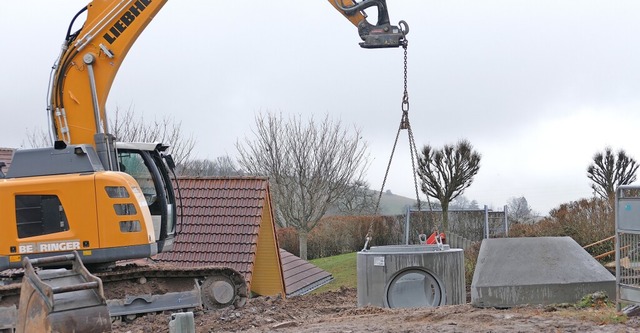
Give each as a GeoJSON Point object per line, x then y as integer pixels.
{"type": "Point", "coordinates": [88, 63]}
{"type": "Point", "coordinates": [379, 35]}
{"type": "Point", "coordinates": [91, 57]}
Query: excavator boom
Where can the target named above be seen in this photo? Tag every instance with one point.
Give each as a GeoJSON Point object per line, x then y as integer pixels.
{"type": "Point", "coordinates": [88, 64]}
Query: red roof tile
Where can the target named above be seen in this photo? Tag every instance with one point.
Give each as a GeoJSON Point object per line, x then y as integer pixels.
{"type": "Point", "coordinates": [220, 223]}
{"type": "Point", "coordinates": [301, 276]}
{"type": "Point", "coordinates": [221, 219]}
{"type": "Point", "coordinates": [6, 155]}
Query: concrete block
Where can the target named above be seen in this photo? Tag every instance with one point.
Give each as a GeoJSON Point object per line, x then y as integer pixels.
{"type": "Point", "coordinates": [182, 322]}
{"type": "Point", "coordinates": [410, 276]}
{"type": "Point", "coordinates": [536, 270]}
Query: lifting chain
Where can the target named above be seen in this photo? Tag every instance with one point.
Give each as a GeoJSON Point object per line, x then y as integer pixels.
{"type": "Point", "coordinates": [404, 125]}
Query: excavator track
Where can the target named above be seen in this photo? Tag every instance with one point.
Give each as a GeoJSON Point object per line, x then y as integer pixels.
{"type": "Point", "coordinates": [213, 273]}
{"type": "Point", "coordinates": [220, 286]}
{"type": "Point", "coordinates": [135, 290]}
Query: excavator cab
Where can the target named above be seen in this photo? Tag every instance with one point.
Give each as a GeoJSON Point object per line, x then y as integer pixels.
{"type": "Point", "coordinates": [150, 166]}
{"type": "Point", "coordinates": [62, 199]}
{"type": "Point", "coordinates": [2, 166]}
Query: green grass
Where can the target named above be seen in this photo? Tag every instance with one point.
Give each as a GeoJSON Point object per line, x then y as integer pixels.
{"type": "Point", "coordinates": [343, 269]}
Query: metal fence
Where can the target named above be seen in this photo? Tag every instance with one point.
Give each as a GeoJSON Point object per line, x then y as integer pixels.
{"type": "Point", "coordinates": [471, 224]}
{"type": "Point", "coordinates": [627, 245]}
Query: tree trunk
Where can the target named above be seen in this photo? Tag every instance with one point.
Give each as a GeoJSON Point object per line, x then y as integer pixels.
{"type": "Point", "coordinates": [302, 237]}
{"type": "Point", "coordinates": [445, 218]}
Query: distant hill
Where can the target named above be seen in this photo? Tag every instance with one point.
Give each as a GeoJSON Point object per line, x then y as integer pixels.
{"type": "Point", "coordinates": [392, 204]}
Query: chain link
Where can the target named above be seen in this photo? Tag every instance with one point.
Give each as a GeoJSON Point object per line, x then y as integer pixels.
{"type": "Point", "coordinates": [405, 95]}
{"type": "Point", "coordinates": [405, 114]}
{"type": "Point", "coordinates": [404, 124]}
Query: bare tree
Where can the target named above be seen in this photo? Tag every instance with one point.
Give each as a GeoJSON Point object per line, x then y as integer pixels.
{"type": "Point", "coordinates": [609, 171]}
{"type": "Point", "coordinates": [310, 165]}
{"type": "Point", "coordinates": [446, 173]}
{"type": "Point", "coordinates": [129, 128]}
{"type": "Point", "coordinates": [518, 210]}
{"type": "Point", "coordinates": [359, 199]}
{"type": "Point", "coordinates": [462, 202]}
{"type": "Point", "coordinates": [221, 166]}
{"type": "Point", "coordinates": [37, 138]}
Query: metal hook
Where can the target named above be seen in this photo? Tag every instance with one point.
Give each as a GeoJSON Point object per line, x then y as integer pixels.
{"type": "Point", "coordinates": [404, 27]}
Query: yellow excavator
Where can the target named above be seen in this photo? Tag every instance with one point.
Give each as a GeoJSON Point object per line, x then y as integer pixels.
{"type": "Point", "coordinates": [93, 201]}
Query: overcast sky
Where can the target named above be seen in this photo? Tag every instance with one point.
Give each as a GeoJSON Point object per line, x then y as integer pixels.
{"type": "Point", "coordinates": [536, 86]}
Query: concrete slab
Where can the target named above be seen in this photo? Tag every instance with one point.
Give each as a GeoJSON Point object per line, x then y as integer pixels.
{"type": "Point", "coordinates": [536, 270]}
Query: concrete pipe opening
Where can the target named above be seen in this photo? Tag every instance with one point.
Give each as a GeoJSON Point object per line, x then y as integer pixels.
{"type": "Point", "coordinates": [414, 287]}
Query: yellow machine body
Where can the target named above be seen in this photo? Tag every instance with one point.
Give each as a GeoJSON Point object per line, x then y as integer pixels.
{"type": "Point", "coordinates": [91, 213]}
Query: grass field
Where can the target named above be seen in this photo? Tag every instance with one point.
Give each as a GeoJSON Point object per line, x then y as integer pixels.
{"type": "Point", "coordinates": [343, 269]}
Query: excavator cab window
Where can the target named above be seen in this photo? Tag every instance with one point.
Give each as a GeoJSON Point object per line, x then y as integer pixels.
{"type": "Point", "coordinates": [134, 165]}
{"type": "Point", "coordinates": [149, 170]}
{"type": "Point", "coordinates": [39, 215]}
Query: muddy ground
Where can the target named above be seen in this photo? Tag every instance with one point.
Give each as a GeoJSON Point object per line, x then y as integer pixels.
{"type": "Point", "coordinates": [337, 311]}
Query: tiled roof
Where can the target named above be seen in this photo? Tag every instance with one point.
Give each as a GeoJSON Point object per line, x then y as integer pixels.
{"type": "Point", "coordinates": [301, 276]}
{"type": "Point", "coordinates": [220, 224]}
{"type": "Point", "coordinates": [6, 155]}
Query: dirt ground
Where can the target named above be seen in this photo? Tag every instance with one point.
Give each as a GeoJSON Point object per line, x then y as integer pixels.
{"type": "Point", "coordinates": [337, 311]}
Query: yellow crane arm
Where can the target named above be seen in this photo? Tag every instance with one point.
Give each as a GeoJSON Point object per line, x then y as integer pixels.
{"type": "Point", "coordinates": [378, 35]}
{"type": "Point", "coordinates": [90, 58]}
{"type": "Point", "coordinates": [356, 18]}
{"type": "Point", "coordinates": [88, 64]}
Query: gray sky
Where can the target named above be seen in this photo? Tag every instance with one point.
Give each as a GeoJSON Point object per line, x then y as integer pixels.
{"type": "Point", "coordinates": [536, 86]}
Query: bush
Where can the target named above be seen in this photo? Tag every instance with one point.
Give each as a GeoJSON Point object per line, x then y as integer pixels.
{"type": "Point", "coordinates": [470, 259]}
{"type": "Point", "coordinates": [343, 234]}
{"type": "Point", "coordinates": [288, 240]}
{"type": "Point", "coordinates": [586, 221]}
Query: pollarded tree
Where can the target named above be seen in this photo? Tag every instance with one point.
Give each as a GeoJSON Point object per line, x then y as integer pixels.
{"type": "Point", "coordinates": [447, 172]}
{"type": "Point", "coordinates": [609, 171]}
{"type": "Point", "coordinates": [310, 166]}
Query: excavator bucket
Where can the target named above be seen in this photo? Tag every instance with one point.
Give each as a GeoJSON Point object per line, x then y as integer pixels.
{"type": "Point", "coordinates": [61, 300]}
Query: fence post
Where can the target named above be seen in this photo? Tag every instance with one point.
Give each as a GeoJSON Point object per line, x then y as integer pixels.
{"type": "Point", "coordinates": [486, 222]}
{"type": "Point", "coordinates": [506, 222]}
{"type": "Point", "coordinates": [406, 226]}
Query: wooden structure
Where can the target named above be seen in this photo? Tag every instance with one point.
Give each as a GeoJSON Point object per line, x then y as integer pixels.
{"type": "Point", "coordinates": [229, 222]}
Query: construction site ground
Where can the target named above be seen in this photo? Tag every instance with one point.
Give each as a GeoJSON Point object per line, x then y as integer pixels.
{"type": "Point", "coordinates": [337, 311]}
